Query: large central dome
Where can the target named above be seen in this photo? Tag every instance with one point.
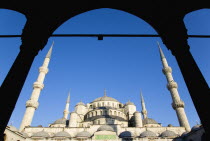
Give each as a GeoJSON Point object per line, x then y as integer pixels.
{"type": "Point", "coordinates": [105, 98]}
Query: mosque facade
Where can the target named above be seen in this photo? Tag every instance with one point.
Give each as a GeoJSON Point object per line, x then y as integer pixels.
{"type": "Point", "coordinates": [104, 119]}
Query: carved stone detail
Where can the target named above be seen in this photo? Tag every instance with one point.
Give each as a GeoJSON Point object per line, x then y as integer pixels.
{"type": "Point", "coordinates": [167, 70]}
{"type": "Point", "coordinates": [31, 103]}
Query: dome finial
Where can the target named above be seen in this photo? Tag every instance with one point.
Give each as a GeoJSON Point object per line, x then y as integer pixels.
{"type": "Point", "coordinates": [104, 92]}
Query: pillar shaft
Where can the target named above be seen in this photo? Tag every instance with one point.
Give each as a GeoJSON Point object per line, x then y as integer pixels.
{"type": "Point", "coordinates": [13, 83]}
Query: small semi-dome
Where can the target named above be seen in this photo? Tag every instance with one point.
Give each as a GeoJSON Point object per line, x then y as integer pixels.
{"type": "Point", "coordinates": [83, 134]}
{"type": "Point", "coordinates": [147, 134]}
{"type": "Point", "coordinates": [41, 134]}
{"type": "Point", "coordinates": [196, 127]}
{"type": "Point", "coordinates": [62, 134]}
{"type": "Point", "coordinates": [105, 98]}
{"type": "Point", "coordinates": [105, 128]}
{"type": "Point", "coordinates": [13, 128]}
{"type": "Point", "coordinates": [168, 133]}
{"type": "Point", "coordinates": [129, 103]}
{"type": "Point", "coordinates": [60, 121]}
{"type": "Point", "coordinates": [80, 103]}
{"type": "Point", "coordinates": [149, 121]}
{"type": "Point", "coordinates": [127, 134]}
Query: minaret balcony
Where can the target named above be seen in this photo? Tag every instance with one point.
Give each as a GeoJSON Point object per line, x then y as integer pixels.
{"type": "Point", "coordinates": [31, 103]}
{"type": "Point", "coordinates": [166, 70]}
{"type": "Point", "coordinates": [172, 85]}
{"type": "Point", "coordinates": [38, 85]}
{"type": "Point", "coordinates": [178, 104]}
{"type": "Point", "coordinates": [44, 70]}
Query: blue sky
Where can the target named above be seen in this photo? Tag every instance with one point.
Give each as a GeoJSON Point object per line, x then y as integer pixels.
{"type": "Point", "coordinates": [123, 66]}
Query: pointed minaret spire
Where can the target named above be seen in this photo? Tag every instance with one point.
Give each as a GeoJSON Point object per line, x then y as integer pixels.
{"type": "Point", "coordinates": [68, 98]}
{"type": "Point", "coordinates": [66, 111]}
{"type": "Point", "coordinates": [104, 92]}
{"type": "Point", "coordinates": [50, 51]}
{"type": "Point", "coordinates": [177, 104]}
{"type": "Point", "coordinates": [161, 52]}
{"type": "Point", "coordinates": [32, 104]}
{"type": "Point", "coordinates": [144, 110]}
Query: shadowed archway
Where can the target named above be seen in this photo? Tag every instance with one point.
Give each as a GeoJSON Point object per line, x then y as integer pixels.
{"type": "Point", "coordinates": [165, 19]}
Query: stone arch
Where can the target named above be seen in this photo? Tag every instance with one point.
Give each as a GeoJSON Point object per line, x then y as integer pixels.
{"type": "Point", "coordinates": [84, 10]}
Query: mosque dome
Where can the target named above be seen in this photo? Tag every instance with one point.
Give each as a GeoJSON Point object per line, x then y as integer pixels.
{"type": "Point", "coordinates": [147, 134]}
{"type": "Point", "coordinates": [62, 134]}
{"type": "Point", "coordinates": [105, 98]}
{"type": "Point", "coordinates": [126, 134]}
{"type": "Point", "coordinates": [41, 134]}
{"type": "Point", "coordinates": [105, 128]}
{"type": "Point", "coordinates": [129, 103]}
{"type": "Point", "coordinates": [60, 121]}
{"type": "Point", "coordinates": [83, 134]}
{"type": "Point", "coordinates": [80, 103]}
{"type": "Point", "coordinates": [149, 121]}
{"type": "Point", "coordinates": [168, 133]}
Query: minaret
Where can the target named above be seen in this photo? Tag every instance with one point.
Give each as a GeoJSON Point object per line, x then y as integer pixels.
{"type": "Point", "coordinates": [177, 104]}
{"type": "Point", "coordinates": [144, 110]}
{"type": "Point", "coordinates": [66, 111]}
{"type": "Point", "coordinates": [32, 104]}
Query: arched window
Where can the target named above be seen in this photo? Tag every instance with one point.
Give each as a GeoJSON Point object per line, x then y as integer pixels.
{"type": "Point", "coordinates": [110, 112]}
{"type": "Point", "coordinates": [101, 112]}
{"type": "Point", "coordinates": [91, 106]}
{"type": "Point", "coordinates": [115, 113]}
{"type": "Point", "coordinates": [106, 113]}
{"type": "Point", "coordinates": [118, 113]}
